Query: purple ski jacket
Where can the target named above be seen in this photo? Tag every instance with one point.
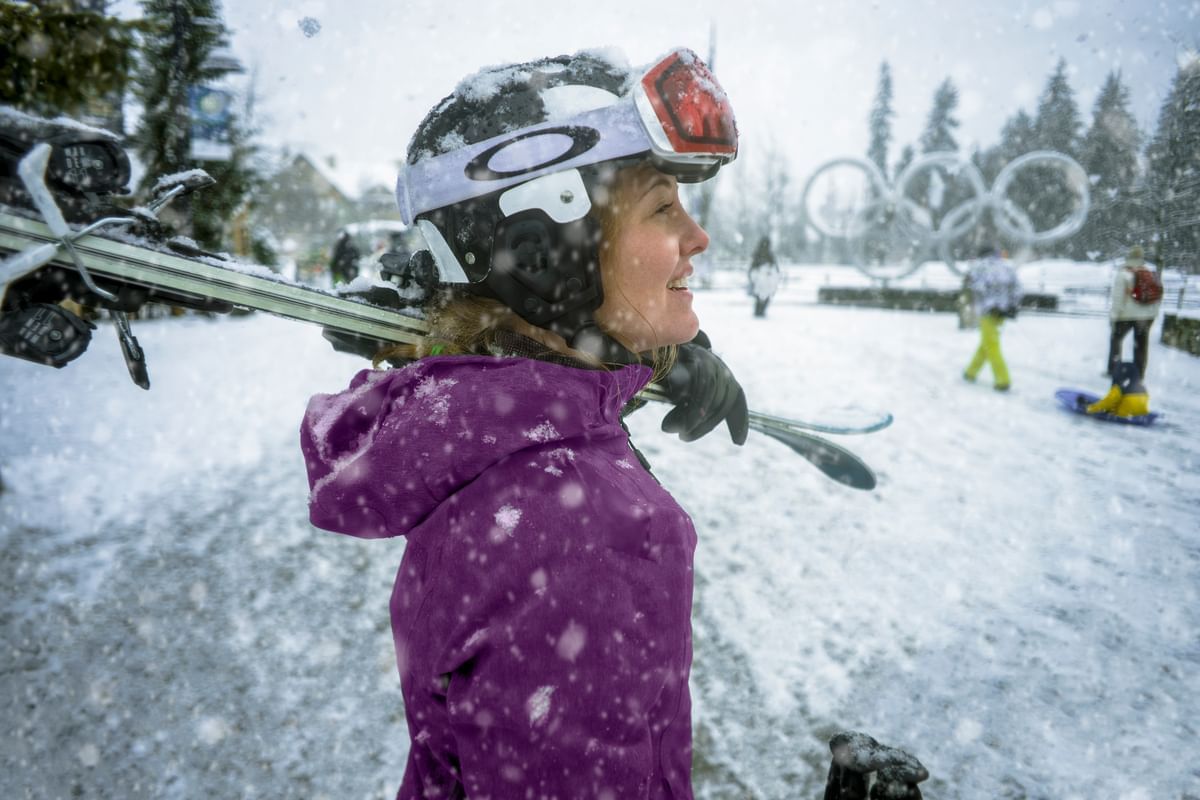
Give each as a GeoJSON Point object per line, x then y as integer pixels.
{"type": "Point", "coordinates": [542, 609]}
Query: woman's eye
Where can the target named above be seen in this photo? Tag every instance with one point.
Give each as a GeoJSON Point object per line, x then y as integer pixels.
{"type": "Point", "coordinates": [664, 208]}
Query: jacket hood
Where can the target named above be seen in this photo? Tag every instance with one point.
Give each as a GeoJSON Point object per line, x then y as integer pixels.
{"type": "Point", "coordinates": [388, 450]}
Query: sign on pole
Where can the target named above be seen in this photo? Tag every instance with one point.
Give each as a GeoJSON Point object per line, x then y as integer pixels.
{"type": "Point", "coordinates": [211, 112]}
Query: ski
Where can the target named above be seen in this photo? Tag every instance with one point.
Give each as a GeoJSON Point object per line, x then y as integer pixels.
{"type": "Point", "coordinates": [176, 276]}
{"type": "Point", "coordinates": [832, 459]}
{"type": "Point", "coordinates": [50, 252]}
{"type": "Point", "coordinates": [876, 423]}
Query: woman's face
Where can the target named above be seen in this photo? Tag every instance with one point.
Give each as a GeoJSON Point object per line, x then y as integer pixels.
{"type": "Point", "coordinates": [646, 264]}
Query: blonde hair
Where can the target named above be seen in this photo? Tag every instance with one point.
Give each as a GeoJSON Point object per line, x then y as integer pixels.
{"type": "Point", "coordinates": [461, 323]}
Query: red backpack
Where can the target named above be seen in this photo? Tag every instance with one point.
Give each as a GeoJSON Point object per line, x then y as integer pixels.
{"type": "Point", "coordinates": [1147, 287]}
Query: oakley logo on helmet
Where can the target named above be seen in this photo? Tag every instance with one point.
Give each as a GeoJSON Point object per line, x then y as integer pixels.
{"type": "Point", "coordinates": [531, 151]}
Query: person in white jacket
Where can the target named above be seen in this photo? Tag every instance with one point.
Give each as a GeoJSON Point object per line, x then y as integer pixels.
{"type": "Point", "coordinates": [1127, 313]}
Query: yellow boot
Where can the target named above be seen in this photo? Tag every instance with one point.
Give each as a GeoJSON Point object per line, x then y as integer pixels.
{"type": "Point", "coordinates": [1106, 403]}
{"type": "Point", "coordinates": [1134, 405]}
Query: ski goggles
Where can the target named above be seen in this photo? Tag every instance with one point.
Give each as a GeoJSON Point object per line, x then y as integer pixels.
{"type": "Point", "coordinates": [677, 115]}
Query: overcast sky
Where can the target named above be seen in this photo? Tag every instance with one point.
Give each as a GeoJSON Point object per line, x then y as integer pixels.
{"type": "Point", "coordinates": [800, 74]}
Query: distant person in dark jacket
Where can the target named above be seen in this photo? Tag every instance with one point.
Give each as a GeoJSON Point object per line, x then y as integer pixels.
{"type": "Point", "coordinates": [765, 276]}
{"type": "Point", "coordinates": [344, 265]}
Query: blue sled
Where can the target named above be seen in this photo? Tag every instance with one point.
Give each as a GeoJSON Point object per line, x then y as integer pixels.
{"type": "Point", "coordinates": [1077, 401]}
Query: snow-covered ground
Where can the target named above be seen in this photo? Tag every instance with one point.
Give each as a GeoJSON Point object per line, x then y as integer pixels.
{"type": "Point", "coordinates": [1016, 603]}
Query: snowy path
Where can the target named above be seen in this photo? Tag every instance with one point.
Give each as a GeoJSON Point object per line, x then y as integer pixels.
{"type": "Point", "coordinates": [1016, 603]}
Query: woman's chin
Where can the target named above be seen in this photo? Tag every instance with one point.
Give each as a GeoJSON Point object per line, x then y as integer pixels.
{"type": "Point", "coordinates": [680, 331]}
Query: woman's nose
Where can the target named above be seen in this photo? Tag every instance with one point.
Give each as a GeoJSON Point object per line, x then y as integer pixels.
{"type": "Point", "coordinates": [695, 240]}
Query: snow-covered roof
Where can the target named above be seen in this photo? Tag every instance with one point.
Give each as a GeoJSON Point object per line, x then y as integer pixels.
{"type": "Point", "coordinates": [323, 169]}
{"type": "Point", "coordinates": [351, 177]}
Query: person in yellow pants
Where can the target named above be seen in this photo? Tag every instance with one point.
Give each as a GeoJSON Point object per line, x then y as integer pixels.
{"type": "Point", "coordinates": [996, 292]}
{"type": "Point", "coordinates": [989, 351]}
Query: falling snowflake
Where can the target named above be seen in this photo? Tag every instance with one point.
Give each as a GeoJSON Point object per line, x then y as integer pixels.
{"type": "Point", "coordinates": [571, 495]}
{"type": "Point", "coordinates": [571, 641]}
{"type": "Point", "coordinates": [89, 754]}
{"type": "Point", "coordinates": [967, 731]}
{"type": "Point", "coordinates": [538, 581]}
{"type": "Point", "coordinates": [211, 730]}
{"type": "Point", "coordinates": [309, 26]}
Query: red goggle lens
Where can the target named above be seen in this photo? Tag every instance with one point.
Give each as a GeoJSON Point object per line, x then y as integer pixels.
{"type": "Point", "coordinates": [691, 106]}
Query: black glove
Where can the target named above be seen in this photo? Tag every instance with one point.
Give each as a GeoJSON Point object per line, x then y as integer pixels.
{"type": "Point", "coordinates": [704, 392]}
{"type": "Point", "coordinates": [856, 755]}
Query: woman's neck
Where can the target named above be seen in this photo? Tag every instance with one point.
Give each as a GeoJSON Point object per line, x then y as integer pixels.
{"type": "Point", "coordinates": [596, 348]}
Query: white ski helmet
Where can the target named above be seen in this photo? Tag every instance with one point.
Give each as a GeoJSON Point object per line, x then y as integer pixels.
{"type": "Point", "coordinates": [502, 174]}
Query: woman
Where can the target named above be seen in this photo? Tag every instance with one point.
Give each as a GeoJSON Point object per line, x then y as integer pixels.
{"type": "Point", "coordinates": [542, 610]}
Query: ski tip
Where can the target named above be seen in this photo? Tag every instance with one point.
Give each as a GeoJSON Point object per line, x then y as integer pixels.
{"type": "Point", "coordinates": [861, 478]}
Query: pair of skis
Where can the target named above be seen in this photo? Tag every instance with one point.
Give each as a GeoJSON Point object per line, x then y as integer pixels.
{"type": "Point", "coordinates": [177, 271]}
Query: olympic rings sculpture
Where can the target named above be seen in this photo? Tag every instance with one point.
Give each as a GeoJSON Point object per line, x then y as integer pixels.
{"type": "Point", "coordinates": [891, 205]}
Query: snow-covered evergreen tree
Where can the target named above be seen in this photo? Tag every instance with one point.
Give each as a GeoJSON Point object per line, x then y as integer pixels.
{"type": "Point", "coordinates": [881, 119]}
{"type": "Point", "coordinates": [182, 38]}
{"type": "Point", "coordinates": [66, 58]}
{"type": "Point", "coordinates": [906, 157]}
{"type": "Point", "coordinates": [1017, 137]}
{"type": "Point", "coordinates": [1055, 127]}
{"type": "Point", "coordinates": [1109, 155]}
{"type": "Point", "coordinates": [1173, 183]}
{"type": "Point", "coordinates": [937, 189]}
{"type": "Point", "coordinates": [941, 122]}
